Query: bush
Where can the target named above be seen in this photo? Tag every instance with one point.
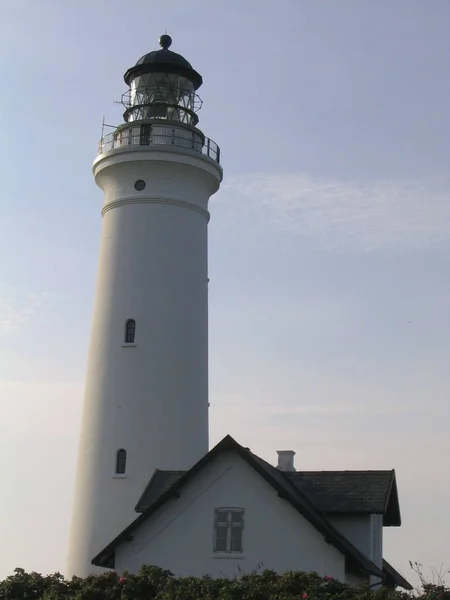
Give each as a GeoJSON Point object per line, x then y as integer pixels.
{"type": "Point", "coordinates": [152, 583]}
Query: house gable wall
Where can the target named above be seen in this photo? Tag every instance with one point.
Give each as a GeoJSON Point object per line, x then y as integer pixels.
{"type": "Point", "coordinates": [356, 529]}
{"type": "Point", "coordinates": [179, 536]}
{"type": "Point", "coordinates": [366, 533]}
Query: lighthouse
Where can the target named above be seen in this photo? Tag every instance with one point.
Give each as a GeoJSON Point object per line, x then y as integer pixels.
{"type": "Point", "coordinates": [146, 391]}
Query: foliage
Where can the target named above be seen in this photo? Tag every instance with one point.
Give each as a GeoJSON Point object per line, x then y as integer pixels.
{"type": "Point", "coordinates": [152, 583]}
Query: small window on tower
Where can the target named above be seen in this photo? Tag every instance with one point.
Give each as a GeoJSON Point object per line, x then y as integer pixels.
{"type": "Point", "coordinates": [130, 331]}
{"type": "Point", "coordinates": [121, 462]}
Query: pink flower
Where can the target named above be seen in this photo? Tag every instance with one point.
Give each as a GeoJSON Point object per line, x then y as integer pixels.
{"type": "Point", "coordinates": [304, 595]}
{"type": "Point", "coordinates": [328, 578]}
{"type": "Point", "coordinates": [122, 579]}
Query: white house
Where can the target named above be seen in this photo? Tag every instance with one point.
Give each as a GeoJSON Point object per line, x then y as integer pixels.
{"type": "Point", "coordinates": [234, 513]}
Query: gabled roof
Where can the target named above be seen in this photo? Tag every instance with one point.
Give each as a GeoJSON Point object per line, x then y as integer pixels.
{"type": "Point", "coordinates": [393, 577]}
{"type": "Point", "coordinates": [286, 490]}
{"type": "Point", "coordinates": [331, 492]}
{"type": "Point", "coordinates": [351, 492]}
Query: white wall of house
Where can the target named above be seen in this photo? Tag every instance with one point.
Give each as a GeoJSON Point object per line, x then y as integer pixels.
{"type": "Point", "coordinates": [376, 533]}
{"type": "Point", "coordinates": [356, 529]}
{"type": "Point", "coordinates": [366, 533]}
{"type": "Point", "coordinates": [179, 536]}
{"type": "Point", "coordinates": [376, 552]}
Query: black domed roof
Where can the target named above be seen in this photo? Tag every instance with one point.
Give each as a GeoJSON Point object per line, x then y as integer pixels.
{"type": "Point", "coordinates": [164, 61]}
{"type": "Point", "coordinates": [164, 56]}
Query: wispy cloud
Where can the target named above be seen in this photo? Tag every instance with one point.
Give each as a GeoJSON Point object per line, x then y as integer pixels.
{"type": "Point", "coordinates": [340, 215]}
{"type": "Point", "coordinates": [18, 307]}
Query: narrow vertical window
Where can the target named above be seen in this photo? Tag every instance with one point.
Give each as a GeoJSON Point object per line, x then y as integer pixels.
{"type": "Point", "coordinates": [130, 331]}
{"type": "Point", "coordinates": [228, 527]}
{"type": "Point", "coordinates": [121, 461]}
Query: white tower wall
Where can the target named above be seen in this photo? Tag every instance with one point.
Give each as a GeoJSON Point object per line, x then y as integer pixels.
{"type": "Point", "coordinates": [149, 398]}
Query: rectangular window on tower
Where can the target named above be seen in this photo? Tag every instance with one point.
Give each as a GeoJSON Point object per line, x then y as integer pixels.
{"type": "Point", "coordinates": [228, 528]}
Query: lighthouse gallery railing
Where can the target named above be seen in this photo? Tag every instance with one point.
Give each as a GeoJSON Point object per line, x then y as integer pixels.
{"type": "Point", "coordinates": [159, 136]}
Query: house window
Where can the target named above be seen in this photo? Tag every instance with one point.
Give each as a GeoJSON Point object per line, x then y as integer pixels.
{"type": "Point", "coordinates": [130, 331]}
{"type": "Point", "coordinates": [121, 461]}
{"type": "Point", "coordinates": [228, 526]}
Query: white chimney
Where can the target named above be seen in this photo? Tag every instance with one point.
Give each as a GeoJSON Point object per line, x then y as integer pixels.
{"type": "Point", "coordinates": [286, 460]}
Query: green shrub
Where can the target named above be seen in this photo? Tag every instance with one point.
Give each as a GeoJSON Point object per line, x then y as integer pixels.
{"type": "Point", "coordinates": [153, 583]}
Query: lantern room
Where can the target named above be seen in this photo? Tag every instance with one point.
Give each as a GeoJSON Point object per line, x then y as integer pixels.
{"type": "Point", "coordinates": [162, 85]}
{"type": "Point", "coordinates": [161, 106]}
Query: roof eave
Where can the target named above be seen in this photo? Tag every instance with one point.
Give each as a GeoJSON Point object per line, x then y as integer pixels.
{"type": "Point", "coordinates": [163, 67]}
{"type": "Point", "coordinates": [394, 575]}
{"type": "Point", "coordinates": [107, 561]}
{"type": "Point", "coordinates": [392, 516]}
{"type": "Point", "coordinates": [149, 484]}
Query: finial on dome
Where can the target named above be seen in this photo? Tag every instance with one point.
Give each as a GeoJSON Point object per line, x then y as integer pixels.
{"type": "Point", "coordinates": [165, 41]}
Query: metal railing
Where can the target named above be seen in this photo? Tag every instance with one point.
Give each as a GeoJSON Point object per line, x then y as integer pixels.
{"type": "Point", "coordinates": [159, 135]}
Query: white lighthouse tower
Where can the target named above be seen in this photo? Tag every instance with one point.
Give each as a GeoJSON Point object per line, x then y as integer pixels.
{"type": "Point", "coordinates": [146, 397]}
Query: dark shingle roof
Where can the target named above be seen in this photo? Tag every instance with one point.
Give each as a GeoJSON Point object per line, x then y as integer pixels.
{"type": "Point", "coordinates": [286, 490]}
{"type": "Point", "coordinates": [158, 485]}
{"type": "Point", "coordinates": [355, 492]}
{"type": "Point", "coordinates": [331, 492]}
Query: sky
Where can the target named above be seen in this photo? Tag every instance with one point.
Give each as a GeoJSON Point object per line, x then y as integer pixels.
{"type": "Point", "coordinates": [329, 242]}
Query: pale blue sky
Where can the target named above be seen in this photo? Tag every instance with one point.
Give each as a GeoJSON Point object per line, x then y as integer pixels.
{"type": "Point", "coordinates": [329, 241]}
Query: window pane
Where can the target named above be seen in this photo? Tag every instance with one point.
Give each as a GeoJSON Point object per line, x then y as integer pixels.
{"type": "Point", "coordinates": [221, 545]}
{"type": "Point", "coordinates": [221, 516]}
{"type": "Point", "coordinates": [121, 461]}
{"type": "Point", "coordinates": [237, 517]}
{"type": "Point", "coordinates": [236, 544]}
{"type": "Point", "coordinates": [236, 532]}
{"type": "Point", "coordinates": [130, 330]}
{"type": "Point", "coordinates": [221, 532]}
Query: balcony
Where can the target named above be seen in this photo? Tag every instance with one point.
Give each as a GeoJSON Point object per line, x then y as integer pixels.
{"type": "Point", "coordinates": [160, 135]}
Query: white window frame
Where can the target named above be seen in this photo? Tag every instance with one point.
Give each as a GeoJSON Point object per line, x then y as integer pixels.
{"type": "Point", "coordinates": [229, 524]}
